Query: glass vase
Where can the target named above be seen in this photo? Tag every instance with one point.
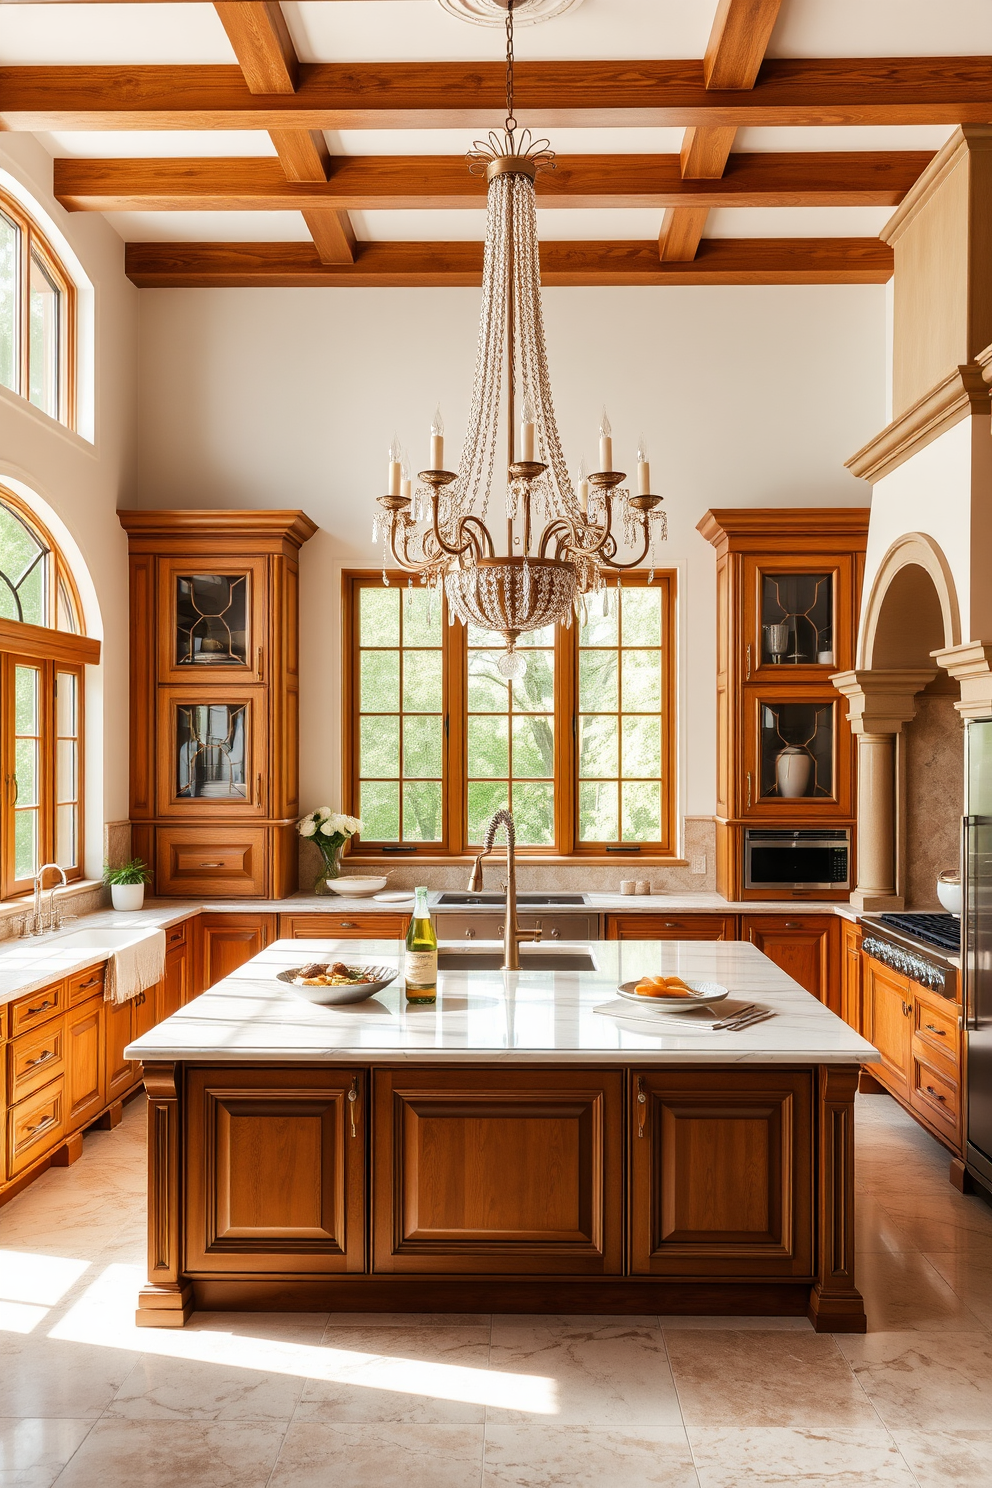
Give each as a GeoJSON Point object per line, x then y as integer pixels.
{"type": "Point", "coordinates": [330, 851]}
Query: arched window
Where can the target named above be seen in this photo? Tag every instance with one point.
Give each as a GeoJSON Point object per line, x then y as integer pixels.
{"type": "Point", "coordinates": [42, 654]}
{"type": "Point", "coordinates": [37, 316]}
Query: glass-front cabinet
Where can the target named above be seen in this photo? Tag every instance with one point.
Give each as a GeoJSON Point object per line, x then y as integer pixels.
{"type": "Point", "coordinates": [214, 623]}
{"type": "Point", "coordinates": [792, 617]}
{"type": "Point", "coordinates": [793, 766]}
{"type": "Point", "coordinates": [211, 753]}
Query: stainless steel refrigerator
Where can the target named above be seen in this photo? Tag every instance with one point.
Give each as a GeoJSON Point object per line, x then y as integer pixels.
{"type": "Point", "coordinates": [976, 946]}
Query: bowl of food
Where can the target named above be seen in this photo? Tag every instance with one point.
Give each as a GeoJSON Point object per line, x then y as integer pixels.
{"type": "Point", "coordinates": [334, 983]}
{"type": "Point", "coordinates": [671, 994]}
{"type": "Point", "coordinates": [353, 884]}
{"type": "Point", "coordinates": [949, 890]}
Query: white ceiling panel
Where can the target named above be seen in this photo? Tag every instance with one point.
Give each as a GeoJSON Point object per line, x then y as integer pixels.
{"type": "Point", "coordinates": [882, 28]}
{"type": "Point", "coordinates": [457, 141]}
{"type": "Point", "coordinates": [419, 30]}
{"type": "Point", "coordinates": [797, 222]}
{"type": "Point", "coordinates": [847, 137]}
{"type": "Point", "coordinates": [209, 227]}
{"type": "Point", "coordinates": [66, 34]}
{"type": "Point", "coordinates": [466, 227]}
{"type": "Point", "coordinates": [162, 144]}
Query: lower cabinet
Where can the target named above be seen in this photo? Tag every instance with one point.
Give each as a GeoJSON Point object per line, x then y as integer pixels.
{"type": "Point", "coordinates": [121, 1073]}
{"type": "Point", "coordinates": [85, 1059]}
{"type": "Point", "coordinates": [343, 926]}
{"type": "Point", "coordinates": [804, 946]}
{"type": "Point", "coordinates": [275, 1177]}
{"type": "Point", "coordinates": [671, 927]}
{"type": "Point", "coordinates": [485, 1172]}
{"type": "Point", "coordinates": [889, 1024]}
{"type": "Point", "coordinates": [37, 1124]}
{"type": "Point", "coordinates": [721, 1173]}
{"type": "Point", "coordinates": [851, 1009]}
{"type": "Point", "coordinates": [226, 941]}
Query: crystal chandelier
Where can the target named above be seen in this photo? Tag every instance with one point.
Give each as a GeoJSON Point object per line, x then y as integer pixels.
{"type": "Point", "coordinates": [442, 531]}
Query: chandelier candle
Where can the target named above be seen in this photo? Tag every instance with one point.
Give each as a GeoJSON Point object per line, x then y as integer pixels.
{"type": "Point", "coordinates": [643, 470]}
{"type": "Point", "coordinates": [394, 468]}
{"type": "Point", "coordinates": [560, 545]}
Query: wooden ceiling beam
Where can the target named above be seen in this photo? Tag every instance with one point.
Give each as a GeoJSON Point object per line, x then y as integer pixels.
{"type": "Point", "coordinates": [734, 53]}
{"type": "Point", "coordinates": [297, 265]}
{"type": "Point", "coordinates": [396, 183]}
{"type": "Point", "coordinates": [258, 32]}
{"type": "Point", "coordinates": [437, 95]}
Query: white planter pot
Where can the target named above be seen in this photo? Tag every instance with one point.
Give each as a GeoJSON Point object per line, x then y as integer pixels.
{"type": "Point", "coordinates": [793, 767]}
{"type": "Point", "coordinates": [127, 896]}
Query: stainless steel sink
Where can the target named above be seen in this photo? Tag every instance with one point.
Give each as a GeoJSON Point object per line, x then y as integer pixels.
{"type": "Point", "coordinates": [461, 897]}
{"type": "Point", "coordinates": [532, 958]}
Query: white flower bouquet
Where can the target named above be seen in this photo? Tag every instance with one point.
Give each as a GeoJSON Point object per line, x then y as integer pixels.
{"type": "Point", "coordinates": [329, 831]}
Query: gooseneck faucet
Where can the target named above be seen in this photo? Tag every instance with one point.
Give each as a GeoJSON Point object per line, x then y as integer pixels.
{"type": "Point", "coordinates": [512, 933]}
{"type": "Point", "coordinates": [38, 919]}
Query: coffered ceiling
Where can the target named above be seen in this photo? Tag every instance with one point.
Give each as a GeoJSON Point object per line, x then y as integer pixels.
{"type": "Point", "coordinates": [322, 142]}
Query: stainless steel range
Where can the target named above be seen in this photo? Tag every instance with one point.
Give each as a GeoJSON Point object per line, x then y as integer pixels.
{"type": "Point", "coordinates": [919, 946]}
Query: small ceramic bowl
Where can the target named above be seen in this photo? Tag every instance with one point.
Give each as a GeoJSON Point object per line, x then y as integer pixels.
{"type": "Point", "coordinates": [949, 891]}
{"type": "Point", "coordinates": [354, 885]}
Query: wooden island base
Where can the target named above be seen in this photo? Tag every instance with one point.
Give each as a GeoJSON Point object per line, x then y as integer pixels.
{"type": "Point", "coordinates": [499, 1187]}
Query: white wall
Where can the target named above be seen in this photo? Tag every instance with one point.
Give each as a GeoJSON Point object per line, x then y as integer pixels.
{"type": "Point", "coordinates": [79, 480]}
{"type": "Point", "coordinates": [288, 398]}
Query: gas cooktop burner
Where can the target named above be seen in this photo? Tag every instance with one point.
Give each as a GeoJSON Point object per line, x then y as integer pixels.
{"type": "Point", "coordinates": [941, 930]}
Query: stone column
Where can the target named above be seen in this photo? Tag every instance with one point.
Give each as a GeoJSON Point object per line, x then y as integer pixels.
{"type": "Point", "coordinates": [880, 702]}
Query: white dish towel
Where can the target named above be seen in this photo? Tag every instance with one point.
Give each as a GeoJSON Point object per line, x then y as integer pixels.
{"type": "Point", "coordinates": [135, 968]}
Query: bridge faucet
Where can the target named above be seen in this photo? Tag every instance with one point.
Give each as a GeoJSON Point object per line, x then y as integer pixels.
{"type": "Point", "coordinates": [37, 919]}
{"type": "Point", "coordinates": [512, 933]}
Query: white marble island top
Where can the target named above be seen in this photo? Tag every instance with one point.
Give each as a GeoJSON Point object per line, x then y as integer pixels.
{"type": "Point", "coordinates": [535, 1016]}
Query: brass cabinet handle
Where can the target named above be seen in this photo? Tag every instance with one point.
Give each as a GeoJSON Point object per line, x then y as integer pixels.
{"type": "Point", "coordinates": [29, 1131]}
{"type": "Point", "coordinates": [793, 924]}
{"type": "Point", "coordinates": [42, 1006]}
{"type": "Point", "coordinates": [671, 924]}
{"type": "Point", "coordinates": [936, 1094]}
{"type": "Point", "coordinates": [258, 788]}
{"type": "Point", "coordinates": [747, 674]}
{"type": "Point", "coordinates": [907, 1008]}
{"type": "Point", "coordinates": [347, 924]}
{"type": "Point", "coordinates": [352, 1103]}
{"type": "Point", "coordinates": [642, 1101]}
{"type": "Point", "coordinates": [749, 789]}
{"type": "Point", "coordinates": [211, 865]}
{"type": "Point", "coordinates": [940, 1032]}
{"type": "Point", "coordinates": [93, 981]}
{"type": "Point", "coordinates": [42, 1059]}
{"type": "Point", "coordinates": [258, 661]}
{"type": "Point", "coordinates": [469, 934]}
{"type": "Point", "coordinates": [556, 935]}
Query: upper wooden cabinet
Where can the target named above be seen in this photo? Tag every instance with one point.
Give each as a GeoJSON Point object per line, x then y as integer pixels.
{"type": "Point", "coordinates": [788, 592]}
{"type": "Point", "coordinates": [215, 696]}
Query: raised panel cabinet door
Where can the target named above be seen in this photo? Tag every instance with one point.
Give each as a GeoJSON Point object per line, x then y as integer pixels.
{"type": "Point", "coordinates": [804, 946]}
{"type": "Point", "coordinates": [227, 941]}
{"type": "Point", "coordinates": [889, 1016]}
{"type": "Point", "coordinates": [481, 1173]}
{"type": "Point", "coordinates": [275, 1177]}
{"type": "Point", "coordinates": [671, 927]}
{"type": "Point", "coordinates": [850, 976]}
{"type": "Point", "coordinates": [85, 1061]}
{"type": "Point", "coordinates": [121, 1072]}
{"type": "Point", "coordinates": [173, 991]}
{"type": "Point", "coordinates": [721, 1173]}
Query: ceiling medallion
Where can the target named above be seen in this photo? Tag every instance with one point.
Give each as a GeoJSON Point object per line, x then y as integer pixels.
{"type": "Point", "coordinates": [563, 539]}
{"type": "Point", "coordinates": [493, 12]}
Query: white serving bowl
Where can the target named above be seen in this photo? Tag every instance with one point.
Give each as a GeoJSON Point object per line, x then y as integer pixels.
{"type": "Point", "coordinates": [949, 891]}
{"type": "Point", "coordinates": [360, 886]}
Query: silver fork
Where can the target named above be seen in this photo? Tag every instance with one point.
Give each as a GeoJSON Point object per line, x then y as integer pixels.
{"type": "Point", "coordinates": [740, 1013]}
{"type": "Point", "coordinates": [748, 1021]}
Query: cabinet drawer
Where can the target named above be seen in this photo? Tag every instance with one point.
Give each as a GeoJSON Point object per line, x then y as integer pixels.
{"type": "Point", "coordinates": [490, 926]}
{"type": "Point", "coordinates": [343, 926]}
{"type": "Point", "coordinates": [35, 1058]}
{"type": "Point", "coordinates": [211, 860]}
{"type": "Point", "coordinates": [85, 984]}
{"type": "Point", "coordinates": [36, 1008]}
{"type": "Point", "coordinates": [36, 1124]}
{"type": "Point", "coordinates": [935, 1096]}
{"type": "Point", "coordinates": [671, 927]}
{"type": "Point", "coordinates": [3, 1022]}
{"type": "Point", "coordinates": [937, 1031]}
{"type": "Point", "coordinates": [175, 936]}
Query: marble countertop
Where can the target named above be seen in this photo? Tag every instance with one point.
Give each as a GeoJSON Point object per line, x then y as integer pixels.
{"type": "Point", "coordinates": [519, 1017]}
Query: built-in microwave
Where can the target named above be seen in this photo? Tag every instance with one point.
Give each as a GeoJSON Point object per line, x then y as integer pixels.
{"type": "Point", "coordinates": [784, 859]}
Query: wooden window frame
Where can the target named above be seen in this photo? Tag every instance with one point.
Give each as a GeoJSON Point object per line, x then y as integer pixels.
{"type": "Point", "coordinates": [567, 847]}
{"type": "Point", "coordinates": [33, 240]}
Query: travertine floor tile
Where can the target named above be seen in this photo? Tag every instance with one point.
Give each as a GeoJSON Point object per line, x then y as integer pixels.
{"type": "Point", "coordinates": [159, 1454]}
{"type": "Point", "coordinates": [428, 1375]}
{"type": "Point", "coordinates": [34, 1451]}
{"type": "Point", "coordinates": [925, 1380]}
{"type": "Point", "coordinates": [833, 1458]}
{"type": "Point", "coordinates": [764, 1379]}
{"type": "Point", "coordinates": [40, 1376]}
{"type": "Point", "coordinates": [902, 1290]}
{"type": "Point", "coordinates": [604, 1374]}
{"type": "Point", "coordinates": [948, 1459]}
{"type": "Point", "coordinates": [191, 1390]}
{"type": "Point", "coordinates": [672, 1321]}
{"type": "Point", "coordinates": [969, 1274]}
{"type": "Point", "coordinates": [408, 1319]}
{"type": "Point", "coordinates": [315, 1455]}
{"type": "Point", "coordinates": [588, 1457]}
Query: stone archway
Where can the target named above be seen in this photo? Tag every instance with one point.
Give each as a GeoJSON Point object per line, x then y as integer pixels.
{"type": "Point", "coordinates": [911, 613]}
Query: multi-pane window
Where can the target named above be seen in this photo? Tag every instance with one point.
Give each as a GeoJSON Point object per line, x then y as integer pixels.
{"type": "Point", "coordinates": [37, 306]}
{"type": "Point", "coordinates": [40, 703]}
{"type": "Point", "coordinates": [581, 748]}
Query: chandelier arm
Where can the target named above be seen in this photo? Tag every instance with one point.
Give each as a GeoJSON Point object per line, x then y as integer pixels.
{"type": "Point", "coordinates": [450, 549]}
{"type": "Point", "coordinates": [483, 543]}
{"type": "Point", "coordinates": [614, 563]}
{"type": "Point", "coordinates": [400, 553]}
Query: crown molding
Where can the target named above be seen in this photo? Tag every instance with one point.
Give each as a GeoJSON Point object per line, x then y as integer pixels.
{"type": "Point", "coordinates": [963, 392]}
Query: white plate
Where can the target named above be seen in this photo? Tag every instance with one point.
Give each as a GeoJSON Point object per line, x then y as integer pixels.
{"type": "Point", "coordinates": [394, 896]}
{"type": "Point", "coordinates": [705, 993]}
{"type": "Point", "coordinates": [358, 886]}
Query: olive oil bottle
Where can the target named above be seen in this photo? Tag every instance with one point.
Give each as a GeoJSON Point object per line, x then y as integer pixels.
{"type": "Point", "coordinates": [420, 962]}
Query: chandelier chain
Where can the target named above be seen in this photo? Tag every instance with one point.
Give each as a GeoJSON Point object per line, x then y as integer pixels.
{"type": "Point", "coordinates": [511, 122]}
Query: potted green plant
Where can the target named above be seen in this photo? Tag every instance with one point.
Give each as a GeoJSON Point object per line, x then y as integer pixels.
{"type": "Point", "coordinates": [127, 884]}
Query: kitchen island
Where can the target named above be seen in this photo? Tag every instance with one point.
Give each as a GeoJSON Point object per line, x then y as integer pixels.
{"type": "Point", "coordinates": [513, 1149]}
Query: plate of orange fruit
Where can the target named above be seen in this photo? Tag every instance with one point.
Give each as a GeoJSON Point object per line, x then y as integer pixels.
{"type": "Point", "coordinates": [672, 994]}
